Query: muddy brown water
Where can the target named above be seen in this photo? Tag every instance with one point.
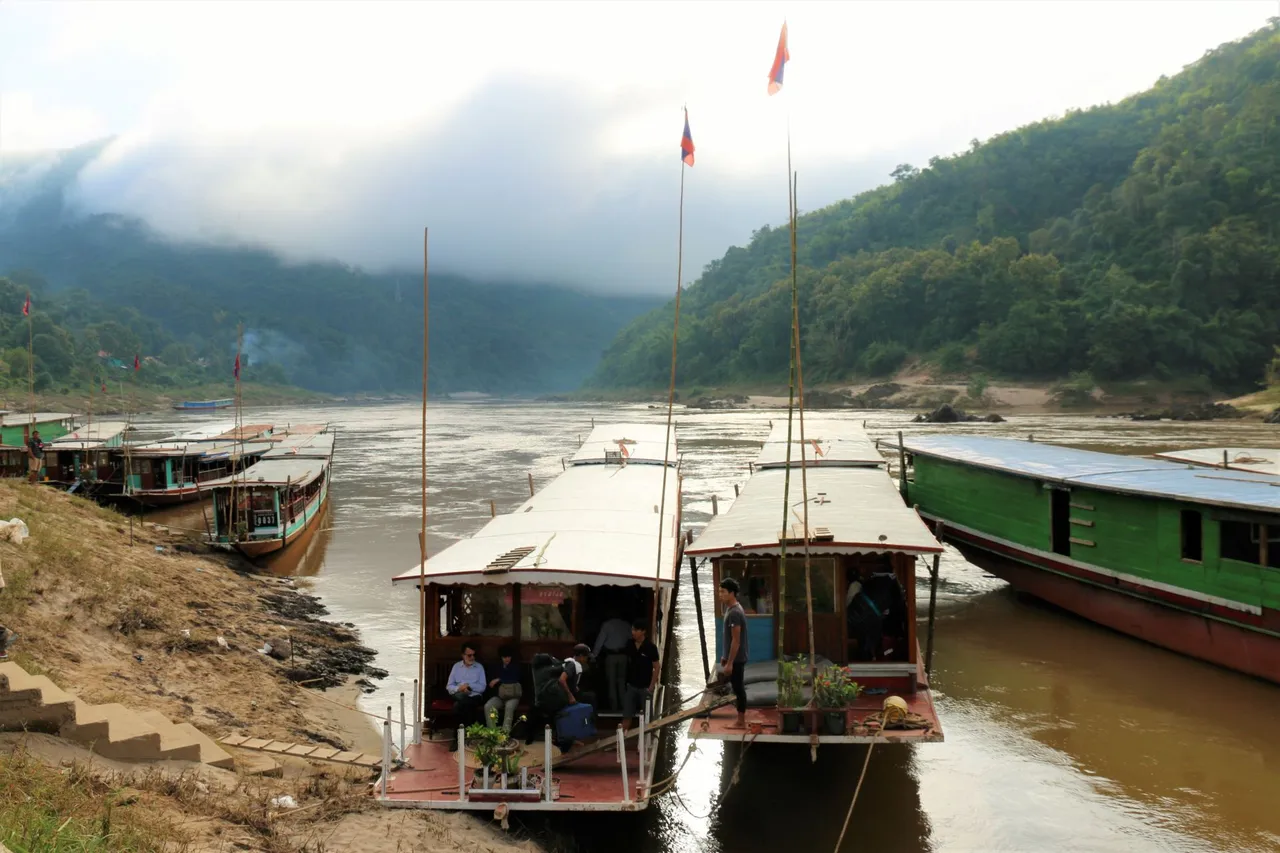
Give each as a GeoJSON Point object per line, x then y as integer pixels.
{"type": "Point", "coordinates": [1060, 735]}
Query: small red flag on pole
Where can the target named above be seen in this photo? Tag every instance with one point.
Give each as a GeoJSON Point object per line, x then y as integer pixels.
{"type": "Point", "coordinates": [26, 307]}
{"type": "Point", "coordinates": [237, 365]}
{"type": "Point", "coordinates": [137, 362]}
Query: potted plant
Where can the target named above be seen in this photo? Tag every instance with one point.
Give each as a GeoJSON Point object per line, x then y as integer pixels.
{"type": "Point", "coordinates": [790, 697]}
{"type": "Point", "coordinates": [494, 747]}
{"type": "Point", "coordinates": [834, 691]}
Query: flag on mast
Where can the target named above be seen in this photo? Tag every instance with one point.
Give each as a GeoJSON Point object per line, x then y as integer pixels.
{"type": "Point", "coordinates": [26, 307]}
{"type": "Point", "coordinates": [779, 62]}
{"type": "Point", "coordinates": [237, 366]}
{"type": "Point", "coordinates": [137, 361]}
{"type": "Point", "coordinates": [686, 142]}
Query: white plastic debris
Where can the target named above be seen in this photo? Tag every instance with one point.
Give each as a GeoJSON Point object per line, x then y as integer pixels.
{"type": "Point", "coordinates": [15, 530]}
{"type": "Point", "coordinates": [285, 802]}
{"type": "Point", "coordinates": [222, 641]}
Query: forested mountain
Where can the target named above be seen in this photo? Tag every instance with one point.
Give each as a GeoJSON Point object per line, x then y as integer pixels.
{"type": "Point", "coordinates": [322, 326]}
{"type": "Point", "coordinates": [1130, 240]}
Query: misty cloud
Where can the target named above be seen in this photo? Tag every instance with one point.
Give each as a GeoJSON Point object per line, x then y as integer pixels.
{"type": "Point", "coordinates": [517, 183]}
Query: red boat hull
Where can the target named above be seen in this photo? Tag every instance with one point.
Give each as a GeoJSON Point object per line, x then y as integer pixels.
{"type": "Point", "coordinates": [1208, 638]}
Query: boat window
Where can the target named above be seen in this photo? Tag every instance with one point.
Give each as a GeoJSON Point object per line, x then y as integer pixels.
{"type": "Point", "coordinates": [755, 584]}
{"type": "Point", "coordinates": [823, 573]}
{"type": "Point", "coordinates": [476, 611]}
{"type": "Point", "coordinates": [1192, 535]}
{"type": "Point", "coordinates": [546, 612]}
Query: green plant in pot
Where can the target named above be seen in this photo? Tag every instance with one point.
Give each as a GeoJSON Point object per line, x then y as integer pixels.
{"type": "Point", "coordinates": [790, 696]}
{"type": "Point", "coordinates": [494, 747]}
{"type": "Point", "coordinates": [834, 692]}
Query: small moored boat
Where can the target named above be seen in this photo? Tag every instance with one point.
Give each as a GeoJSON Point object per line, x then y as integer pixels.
{"type": "Point", "coordinates": [204, 405]}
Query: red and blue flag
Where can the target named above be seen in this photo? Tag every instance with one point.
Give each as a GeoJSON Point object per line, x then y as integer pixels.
{"type": "Point", "coordinates": [779, 63]}
{"type": "Point", "coordinates": [686, 143]}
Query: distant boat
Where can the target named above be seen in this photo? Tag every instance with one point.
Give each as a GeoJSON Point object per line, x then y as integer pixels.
{"type": "Point", "coordinates": [276, 501]}
{"type": "Point", "coordinates": [202, 405]}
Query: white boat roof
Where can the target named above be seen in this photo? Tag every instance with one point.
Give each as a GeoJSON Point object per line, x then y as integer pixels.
{"type": "Point", "coordinates": [1258, 460]}
{"type": "Point", "coordinates": [272, 472]}
{"type": "Point", "coordinates": [97, 433]}
{"type": "Point", "coordinates": [316, 444]}
{"type": "Point", "coordinates": [204, 433]}
{"type": "Point", "coordinates": [20, 418]}
{"type": "Point", "coordinates": [852, 510]}
{"type": "Point", "coordinates": [829, 442]}
{"type": "Point", "coordinates": [300, 429]}
{"type": "Point", "coordinates": [593, 524]}
{"type": "Point", "coordinates": [636, 442]}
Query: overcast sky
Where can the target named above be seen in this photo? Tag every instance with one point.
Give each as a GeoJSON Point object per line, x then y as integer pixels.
{"type": "Point", "coordinates": [540, 140]}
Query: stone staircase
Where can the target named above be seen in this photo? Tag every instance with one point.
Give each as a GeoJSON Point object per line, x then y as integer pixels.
{"type": "Point", "coordinates": [34, 703]}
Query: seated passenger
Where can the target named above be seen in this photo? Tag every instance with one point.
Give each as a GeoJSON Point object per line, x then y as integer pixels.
{"type": "Point", "coordinates": [509, 691]}
{"type": "Point", "coordinates": [466, 686]}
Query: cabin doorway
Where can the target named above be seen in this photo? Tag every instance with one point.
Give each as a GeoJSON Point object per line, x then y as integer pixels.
{"type": "Point", "coordinates": [1060, 525]}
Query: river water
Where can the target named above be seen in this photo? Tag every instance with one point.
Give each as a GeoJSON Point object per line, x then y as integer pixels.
{"type": "Point", "coordinates": [1060, 735]}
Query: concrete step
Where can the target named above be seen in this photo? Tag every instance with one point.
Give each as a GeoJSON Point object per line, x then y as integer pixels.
{"type": "Point", "coordinates": [113, 731]}
{"type": "Point", "coordinates": [184, 742]}
{"type": "Point", "coordinates": [31, 702]}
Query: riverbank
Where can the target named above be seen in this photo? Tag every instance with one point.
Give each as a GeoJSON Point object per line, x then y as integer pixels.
{"type": "Point", "coordinates": [923, 392]}
{"type": "Point", "coordinates": [121, 399]}
{"type": "Point", "coordinates": [135, 616]}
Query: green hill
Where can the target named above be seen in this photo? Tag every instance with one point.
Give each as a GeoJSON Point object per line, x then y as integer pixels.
{"type": "Point", "coordinates": [322, 326]}
{"type": "Point", "coordinates": [1130, 240]}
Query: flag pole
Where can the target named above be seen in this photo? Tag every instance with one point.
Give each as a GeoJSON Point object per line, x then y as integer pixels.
{"type": "Point", "coordinates": [422, 529]}
{"type": "Point", "coordinates": [671, 389]}
{"type": "Point", "coordinates": [31, 366]}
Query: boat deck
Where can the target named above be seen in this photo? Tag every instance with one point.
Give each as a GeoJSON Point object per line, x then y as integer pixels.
{"type": "Point", "coordinates": [592, 783]}
{"type": "Point", "coordinates": [764, 724]}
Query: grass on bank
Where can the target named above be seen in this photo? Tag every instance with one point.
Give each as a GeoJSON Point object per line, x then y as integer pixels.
{"type": "Point", "coordinates": [48, 810]}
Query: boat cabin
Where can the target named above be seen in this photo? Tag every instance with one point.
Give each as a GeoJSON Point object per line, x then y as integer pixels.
{"type": "Point", "coordinates": [16, 427]}
{"type": "Point", "coordinates": [177, 470]}
{"type": "Point", "coordinates": [546, 576]}
{"type": "Point", "coordinates": [863, 547]}
{"type": "Point", "coordinates": [85, 459]}
{"type": "Point", "coordinates": [864, 544]}
{"type": "Point", "coordinates": [264, 507]}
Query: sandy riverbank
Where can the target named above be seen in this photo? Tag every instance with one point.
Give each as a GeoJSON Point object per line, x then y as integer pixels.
{"type": "Point", "coordinates": [162, 625]}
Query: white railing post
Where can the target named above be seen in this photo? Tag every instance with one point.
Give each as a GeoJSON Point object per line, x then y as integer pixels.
{"type": "Point", "coordinates": [417, 712]}
{"type": "Point", "coordinates": [386, 757]}
{"type": "Point", "coordinates": [644, 716]}
{"type": "Point", "coordinates": [462, 764]}
{"type": "Point", "coordinates": [402, 726]}
{"type": "Point", "coordinates": [546, 764]}
{"type": "Point", "coordinates": [622, 759]}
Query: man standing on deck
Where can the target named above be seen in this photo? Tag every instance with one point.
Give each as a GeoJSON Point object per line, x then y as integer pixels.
{"type": "Point", "coordinates": [643, 670]}
{"type": "Point", "coordinates": [35, 454]}
{"type": "Point", "coordinates": [611, 647]}
{"type": "Point", "coordinates": [734, 663]}
{"type": "Point", "coordinates": [466, 686]}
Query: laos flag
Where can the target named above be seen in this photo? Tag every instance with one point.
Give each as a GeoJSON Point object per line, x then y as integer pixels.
{"type": "Point", "coordinates": [686, 143]}
{"type": "Point", "coordinates": [779, 63]}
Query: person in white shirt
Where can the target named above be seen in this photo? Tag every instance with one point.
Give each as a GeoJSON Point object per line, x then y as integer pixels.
{"type": "Point", "coordinates": [611, 647]}
{"type": "Point", "coordinates": [466, 685]}
{"type": "Point", "coordinates": [574, 668]}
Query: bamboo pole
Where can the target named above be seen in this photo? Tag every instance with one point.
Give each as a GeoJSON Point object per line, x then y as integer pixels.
{"type": "Point", "coordinates": [422, 529]}
{"type": "Point", "coordinates": [804, 468]}
{"type": "Point", "coordinates": [671, 398]}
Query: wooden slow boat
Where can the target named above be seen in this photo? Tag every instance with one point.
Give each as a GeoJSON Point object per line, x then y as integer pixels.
{"type": "Point", "coordinates": [588, 546]}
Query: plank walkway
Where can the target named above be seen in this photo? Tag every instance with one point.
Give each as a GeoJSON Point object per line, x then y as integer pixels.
{"type": "Point", "coordinates": [309, 751]}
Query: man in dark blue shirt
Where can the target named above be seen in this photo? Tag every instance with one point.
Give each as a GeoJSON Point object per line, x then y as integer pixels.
{"type": "Point", "coordinates": [734, 663]}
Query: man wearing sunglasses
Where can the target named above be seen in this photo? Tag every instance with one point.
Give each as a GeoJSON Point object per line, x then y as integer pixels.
{"type": "Point", "coordinates": [466, 686]}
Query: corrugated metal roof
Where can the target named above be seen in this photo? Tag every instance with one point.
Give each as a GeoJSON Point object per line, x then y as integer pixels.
{"type": "Point", "coordinates": [1258, 460]}
{"type": "Point", "coordinates": [272, 472]}
{"type": "Point", "coordinates": [301, 429]}
{"type": "Point", "coordinates": [636, 443]}
{"type": "Point", "coordinates": [1108, 471]}
{"type": "Point", "coordinates": [593, 524]}
{"type": "Point", "coordinates": [851, 510]}
{"type": "Point", "coordinates": [92, 435]}
{"type": "Point", "coordinates": [247, 431]}
{"type": "Point", "coordinates": [204, 433]}
{"type": "Point", "coordinates": [22, 418]}
{"type": "Point", "coordinates": [316, 445]}
{"type": "Point", "coordinates": [829, 442]}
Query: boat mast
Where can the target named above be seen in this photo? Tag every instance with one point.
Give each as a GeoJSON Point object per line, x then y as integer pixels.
{"type": "Point", "coordinates": [239, 432]}
{"type": "Point", "coordinates": [422, 530]}
{"type": "Point", "coordinates": [686, 159]}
